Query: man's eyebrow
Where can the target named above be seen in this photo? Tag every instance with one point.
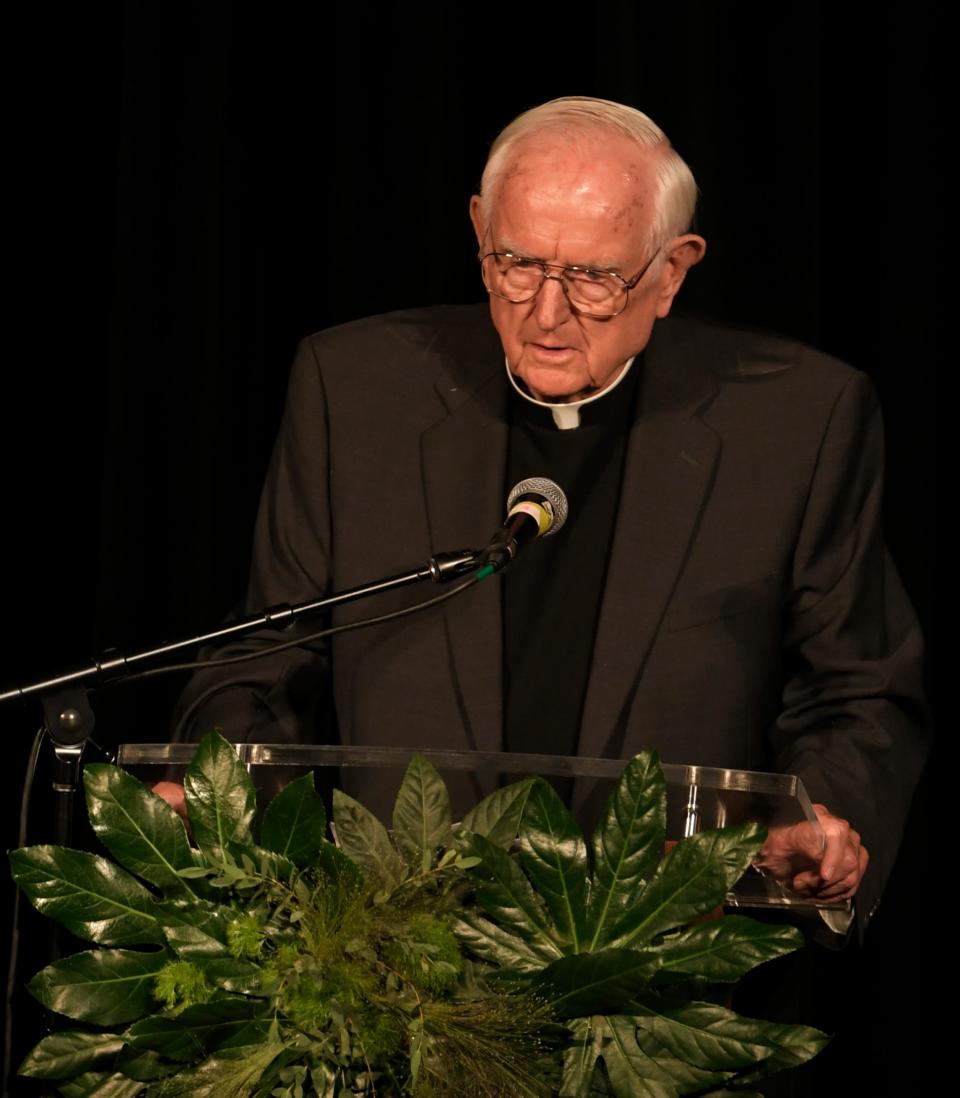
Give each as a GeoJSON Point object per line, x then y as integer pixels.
{"type": "Point", "coordinates": [504, 246]}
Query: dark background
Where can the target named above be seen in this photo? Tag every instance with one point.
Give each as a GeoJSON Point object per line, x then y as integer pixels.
{"type": "Point", "coordinates": [194, 190]}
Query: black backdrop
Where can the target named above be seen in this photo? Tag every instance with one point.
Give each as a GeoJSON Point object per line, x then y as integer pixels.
{"type": "Point", "coordinates": [193, 190]}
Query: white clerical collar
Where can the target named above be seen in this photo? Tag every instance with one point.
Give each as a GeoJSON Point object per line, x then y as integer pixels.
{"type": "Point", "coordinates": [567, 416]}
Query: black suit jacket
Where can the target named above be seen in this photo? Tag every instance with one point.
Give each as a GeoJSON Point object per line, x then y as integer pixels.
{"type": "Point", "coordinates": [751, 617]}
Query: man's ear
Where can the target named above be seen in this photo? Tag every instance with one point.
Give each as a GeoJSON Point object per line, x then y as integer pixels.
{"type": "Point", "coordinates": [683, 252]}
{"type": "Point", "coordinates": [476, 216]}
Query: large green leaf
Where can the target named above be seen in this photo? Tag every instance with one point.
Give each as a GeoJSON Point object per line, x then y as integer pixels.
{"type": "Point", "coordinates": [580, 1058]}
{"type": "Point", "coordinates": [554, 854]}
{"type": "Point", "coordinates": [690, 881]}
{"type": "Point", "coordinates": [722, 950]}
{"type": "Point", "coordinates": [793, 1045]}
{"type": "Point", "coordinates": [94, 1084]}
{"type": "Point", "coordinates": [233, 974]}
{"type": "Point", "coordinates": [233, 1076]}
{"type": "Point", "coordinates": [364, 839]}
{"type": "Point", "coordinates": [103, 986]}
{"type": "Point", "coordinates": [421, 813]}
{"type": "Point", "coordinates": [139, 828]}
{"type": "Point", "coordinates": [71, 1052]}
{"type": "Point", "coordinates": [181, 918]}
{"type": "Point", "coordinates": [195, 1031]}
{"type": "Point", "coordinates": [494, 944]}
{"type": "Point", "coordinates": [193, 943]}
{"type": "Point", "coordinates": [734, 847]}
{"type": "Point", "coordinates": [632, 1073]}
{"type": "Point", "coordinates": [628, 1071]}
{"type": "Point", "coordinates": [254, 1032]}
{"type": "Point", "coordinates": [700, 1034]}
{"type": "Point", "coordinates": [92, 897]}
{"type": "Point", "coordinates": [145, 1066]}
{"type": "Point", "coordinates": [686, 1078]}
{"type": "Point", "coordinates": [167, 1036]}
{"type": "Point", "coordinates": [712, 1037]}
{"type": "Point", "coordinates": [628, 842]}
{"type": "Point", "coordinates": [220, 798]}
{"type": "Point", "coordinates": [333, 861]}
{"type": "Point", "coordinates": [506, 895]}
{"type": "Point", "coordinates": [295, 823]}
{"type": "Point", "coordinates": [596, 983]}
{"type": "Point", "coordinates": [497, 817]}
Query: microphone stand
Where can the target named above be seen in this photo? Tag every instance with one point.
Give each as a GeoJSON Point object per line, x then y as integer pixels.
{"type": "Point", "coordinates": [440, 569]}
{"type": "Point", "coordinates": [69, 720]}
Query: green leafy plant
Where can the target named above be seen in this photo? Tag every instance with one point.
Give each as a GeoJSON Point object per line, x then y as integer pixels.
{"type": "Point", "coordinates": [608, 935]}
{"type": "Point", "coordinates": [504, 957]}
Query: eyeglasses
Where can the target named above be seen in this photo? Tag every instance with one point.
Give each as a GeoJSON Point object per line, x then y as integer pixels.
{"type": "Point", "coordinates": [600, 294]}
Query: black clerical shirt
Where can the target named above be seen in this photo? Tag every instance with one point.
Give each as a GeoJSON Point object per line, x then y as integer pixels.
{"type": "Point", "coordinates": [552, 593]}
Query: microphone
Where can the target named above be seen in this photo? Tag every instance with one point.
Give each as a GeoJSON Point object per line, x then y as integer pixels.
{"type": "Point", "coordinates": [536, 508]}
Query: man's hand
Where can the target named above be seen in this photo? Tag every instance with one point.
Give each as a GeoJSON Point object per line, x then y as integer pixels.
{"type": "Point", "coordinates": [824, 867]}
{"type": "Point", "coordinates": [172, 793]}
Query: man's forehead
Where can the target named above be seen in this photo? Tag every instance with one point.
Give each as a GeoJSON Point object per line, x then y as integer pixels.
{"type": "Point", "coordinates": [598, 196]}
{"type": "Point", "coordinates": [575, 161]}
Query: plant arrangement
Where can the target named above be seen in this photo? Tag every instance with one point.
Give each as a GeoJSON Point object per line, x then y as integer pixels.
{"type": "Point", "coordinates": [504, 957]}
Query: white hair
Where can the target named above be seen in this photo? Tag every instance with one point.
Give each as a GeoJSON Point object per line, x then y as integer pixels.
{"type": "Point", "coordinates": [576, 116]}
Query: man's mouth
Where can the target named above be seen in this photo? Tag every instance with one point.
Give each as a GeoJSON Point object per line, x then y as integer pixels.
{"type": "Point", "coordinates": [551, 350]}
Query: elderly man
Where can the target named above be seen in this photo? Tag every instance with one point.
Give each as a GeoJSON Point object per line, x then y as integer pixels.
{"type": "Point", "coordinates": [721, 591]}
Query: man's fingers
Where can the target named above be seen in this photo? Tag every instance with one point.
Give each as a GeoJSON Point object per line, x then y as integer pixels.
{"type": "Point", "coordinates": [826, 862]}
{"type": "Point", "coordinates": [807, 882]}
{"type": "Point", "coordinates": [172, 793]}
{"type": "Point", "coordinates": [787, 848]}
{"type": "Point", "coordinates": [834, 841]}
{"type": "Point", "coordinates": [844, 858]}
{"type": "Point", "coordinates": [846, 886]}
{"type": "Point", "coordinates": [841, 856]}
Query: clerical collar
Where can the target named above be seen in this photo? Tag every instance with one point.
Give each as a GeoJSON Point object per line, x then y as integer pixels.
{"type": "Point", "coordinates": [566, 417]}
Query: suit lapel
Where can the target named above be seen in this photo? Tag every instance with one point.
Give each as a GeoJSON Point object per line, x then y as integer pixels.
{"type": "Point", "coordinates": [669, 466]}
{"type": "Point", "coordinates": [464, 465]}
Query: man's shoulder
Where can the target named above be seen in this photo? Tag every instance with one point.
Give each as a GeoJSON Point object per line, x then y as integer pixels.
{"type": "Point", "coordinates": [415, 334]}
{"type": "Point", "coordinates": [403, 362]}
{"type": "Point", "coordinates": [751, 383]}
{"type": "Point", "coordinates": [735, 354]}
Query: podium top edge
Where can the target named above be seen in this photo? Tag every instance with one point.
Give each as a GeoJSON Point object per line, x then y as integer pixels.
{"type": "Point", "coordinates": [502, 762]}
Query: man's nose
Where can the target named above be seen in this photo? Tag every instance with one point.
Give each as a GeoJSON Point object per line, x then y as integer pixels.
{"type": "Point", "coordinates": [552, 308]}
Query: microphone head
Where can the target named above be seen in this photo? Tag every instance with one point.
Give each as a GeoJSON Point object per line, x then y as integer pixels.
{"type": "Point", "coordinates": [546, 491]}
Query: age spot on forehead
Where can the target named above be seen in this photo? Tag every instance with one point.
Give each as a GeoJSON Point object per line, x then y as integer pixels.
{"type": "Point", "coordinates": [627, 216]}
{"type": "Point", "coordinates": [513, 169]}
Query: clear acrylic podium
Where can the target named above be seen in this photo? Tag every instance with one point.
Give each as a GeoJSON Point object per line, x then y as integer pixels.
{"type": "Point", "coordinates": [697, 797]}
